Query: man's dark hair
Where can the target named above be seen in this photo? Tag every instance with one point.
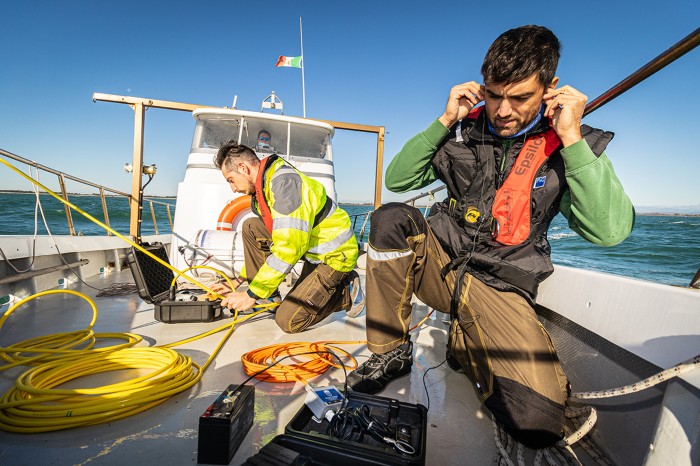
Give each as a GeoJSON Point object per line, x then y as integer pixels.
{"type": "Point", "coordinates": [231, 151]}
{"type": "Point", "coordinates": [519, 53]}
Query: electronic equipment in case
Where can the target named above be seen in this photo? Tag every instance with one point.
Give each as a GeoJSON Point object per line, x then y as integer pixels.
{"type": "Point", "coordinates": [153, 281]}
{"type": "Point", "coordinates": [404, 446]}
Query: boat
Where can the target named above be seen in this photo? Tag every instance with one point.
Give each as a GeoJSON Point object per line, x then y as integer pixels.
{"type": "Point", "coordinates": [611, 332]}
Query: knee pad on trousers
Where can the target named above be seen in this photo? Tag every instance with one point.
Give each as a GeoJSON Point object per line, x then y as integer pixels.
{"type": "Point", "coordinates": [527, 416]}
{"type": "Point", "coordinates": [392, 223]}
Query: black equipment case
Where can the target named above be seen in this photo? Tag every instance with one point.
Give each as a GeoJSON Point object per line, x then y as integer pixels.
{"type": "Point", "coordinates": [153, 281]}
{"type": "Point", "coordinates": [311, 439]}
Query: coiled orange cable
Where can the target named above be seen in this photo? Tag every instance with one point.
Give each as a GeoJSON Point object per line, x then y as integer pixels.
{"type": "Point", "coordinates": [311, 360]}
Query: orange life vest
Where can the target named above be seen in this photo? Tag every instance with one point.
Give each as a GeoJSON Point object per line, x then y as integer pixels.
{"type": "Point", "coordinates": [512, 205]}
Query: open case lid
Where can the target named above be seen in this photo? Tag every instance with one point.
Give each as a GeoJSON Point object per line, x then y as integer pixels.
{"type": "Point", "coordinates": [152, 278]}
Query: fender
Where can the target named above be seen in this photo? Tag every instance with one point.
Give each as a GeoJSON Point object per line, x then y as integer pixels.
{"type": "Point", "coordinates": [231, 210]}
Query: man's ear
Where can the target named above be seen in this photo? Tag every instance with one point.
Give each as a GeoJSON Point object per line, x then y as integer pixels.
{"type": "Point", "coordinates": [243, 168]}
{"type": "Point", "coordinates": [554, 83]}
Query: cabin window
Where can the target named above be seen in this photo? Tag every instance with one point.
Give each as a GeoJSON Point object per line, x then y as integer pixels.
{"type": "Point", "coordinates": [309, 141]}
{"type": "Point", "coordinates": [265, 136]}
{"type": "Point", "coordinates": [211, 133]}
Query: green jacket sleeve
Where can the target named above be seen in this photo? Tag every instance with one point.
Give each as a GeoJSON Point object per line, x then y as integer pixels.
{"type": "Point", "coordinates": [411, 168]}
{"type": "Point", "coordinates": [595, 204]}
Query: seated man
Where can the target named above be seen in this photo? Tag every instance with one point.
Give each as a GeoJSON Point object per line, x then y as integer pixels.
{"type": "Point", "coordinates": [264, 141]}
{"type": "Point", "coordinates": [510, 167]}
{"type": "Point", "coordinates": [296, 221]}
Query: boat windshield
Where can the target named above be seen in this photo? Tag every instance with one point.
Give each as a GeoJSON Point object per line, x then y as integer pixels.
{"type": "Point", "coordinates": [266, 136]}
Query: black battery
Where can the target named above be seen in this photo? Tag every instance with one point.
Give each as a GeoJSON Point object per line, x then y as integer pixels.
{"type": "Point", "coordinates": [225, 423]}
{"type": "Point", "coordinates": [153, 281]}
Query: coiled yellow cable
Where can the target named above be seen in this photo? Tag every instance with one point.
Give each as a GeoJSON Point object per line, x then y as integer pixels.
{"type": "Point", "coordinates": [59, 345]}
{"type": "Point", "coordinates": [35, 404]}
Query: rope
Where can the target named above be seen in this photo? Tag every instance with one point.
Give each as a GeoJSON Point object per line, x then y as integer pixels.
{"type": "Point", "coordinates": [118, 289]}
{"type": "Point", "coordinates": [675, 371]}
{"type": "Point", "coordinates": [561, 453]}
{"type": "Point", "coordinates": [35, 405]}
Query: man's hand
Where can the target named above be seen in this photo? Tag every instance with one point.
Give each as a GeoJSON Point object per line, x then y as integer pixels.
{"type": "Point", "coordinates": [221, 288]}
{"type": "Point", "coordinates": [238, 300]}
{"type": "Point", "coordinates": [565, 106]}
{"type": "Point", "coordinates": [224, 288]}
{"type": "Point", "coordinates": [463, 97]}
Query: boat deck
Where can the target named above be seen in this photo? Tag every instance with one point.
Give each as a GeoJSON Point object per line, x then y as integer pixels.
{"type": "Point", "coordinates": [459, 430]}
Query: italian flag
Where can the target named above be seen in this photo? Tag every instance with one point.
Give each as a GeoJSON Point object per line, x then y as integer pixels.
{"type": "Point", "coordinates": [294, 62]}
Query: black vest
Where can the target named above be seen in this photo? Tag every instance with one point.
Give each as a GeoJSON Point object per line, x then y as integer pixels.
{"type": "Point", "coordinates": [469, 163]}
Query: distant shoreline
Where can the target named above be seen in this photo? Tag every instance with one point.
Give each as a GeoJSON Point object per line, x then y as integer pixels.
{"type": "Point", "coordinates": [650, 214]}
{"type": "Point", "coordinates": [17, 191]}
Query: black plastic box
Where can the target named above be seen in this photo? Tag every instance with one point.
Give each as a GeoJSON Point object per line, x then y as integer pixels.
{"type": "Point", "coordinates": [224, 424]}
{"type": "Point", "coordinates": [153, 281]}
{"type": "Point", "coordinates": [309, 436]}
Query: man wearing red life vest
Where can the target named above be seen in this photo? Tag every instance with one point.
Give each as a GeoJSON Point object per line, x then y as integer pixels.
{"type": "Point", "coordinates": [510, 166]}
{"type": "Point", "coordinates": [297, 221]}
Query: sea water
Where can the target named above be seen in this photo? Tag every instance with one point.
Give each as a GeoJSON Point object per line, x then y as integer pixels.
{"type": "Point", "coordinates": [663, 249]}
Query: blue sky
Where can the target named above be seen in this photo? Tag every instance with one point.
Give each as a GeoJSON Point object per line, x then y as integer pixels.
{"type": "Point", "coordinates": [379, 63]}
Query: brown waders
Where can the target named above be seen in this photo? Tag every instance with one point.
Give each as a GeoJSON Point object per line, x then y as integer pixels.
{"type": "Point", "coordinates": [319, 291]}
{"type": "Point", "coordinates": [495, 337]}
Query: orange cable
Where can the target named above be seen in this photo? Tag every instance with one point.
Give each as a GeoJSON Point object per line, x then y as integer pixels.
{"type": "Point", "coordinates": [422, 321]}
{"type": "Point", "coordinates": [306, 366]}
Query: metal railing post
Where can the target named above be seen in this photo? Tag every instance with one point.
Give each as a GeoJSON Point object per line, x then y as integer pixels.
{"type": "Point", "coordinates": [64, 194]}
{"type": "Point", "coordinates": [104, 208]}
{"type": "Point", "coordinates": [135, 215]}
{"type": "Point", "coordinates": [170, 217]}
{"type": "Point", "coordinates": [153, 216]}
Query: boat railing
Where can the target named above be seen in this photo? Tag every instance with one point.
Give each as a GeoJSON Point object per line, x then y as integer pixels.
{"type": "Point", "coordinates": [102, 190]}
{"type": "Point", "coordinates": [412, 201]}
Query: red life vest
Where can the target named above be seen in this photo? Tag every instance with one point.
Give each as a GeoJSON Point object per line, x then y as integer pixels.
{"type": "Point", "coordinates": [263, 209]}
{"type": "Point", "coordinates": [512, 204]}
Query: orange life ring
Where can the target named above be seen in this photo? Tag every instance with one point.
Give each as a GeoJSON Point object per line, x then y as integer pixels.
{"type": "Point", "coordinates": [232, 209]}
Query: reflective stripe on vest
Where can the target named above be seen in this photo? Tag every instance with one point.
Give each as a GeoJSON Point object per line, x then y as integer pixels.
{"type": "Point", "coordinates": [512, 205]}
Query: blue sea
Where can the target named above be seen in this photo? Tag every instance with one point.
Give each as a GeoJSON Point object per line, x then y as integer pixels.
{"type": "Point", "coordinates": [664, 249]}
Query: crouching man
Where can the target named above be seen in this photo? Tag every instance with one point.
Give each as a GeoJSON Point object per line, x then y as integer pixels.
{"type": "Point", "coordinates": [296, 220]}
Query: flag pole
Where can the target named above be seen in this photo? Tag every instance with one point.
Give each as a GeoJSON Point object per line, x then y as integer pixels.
{"type": "Point", "coordinates": [303, 86]}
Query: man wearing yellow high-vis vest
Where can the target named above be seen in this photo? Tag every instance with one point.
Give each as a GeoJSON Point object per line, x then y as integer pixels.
{"type": "Point", "coordinates": [296, 220]}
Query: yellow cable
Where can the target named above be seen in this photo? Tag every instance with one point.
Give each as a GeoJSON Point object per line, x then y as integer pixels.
{"type": "Point", "coordinates": [58, 345]}
{"type": "Point", "coordinates": [36, 404]}
{"type": "Point", "coordinates": [228, 280]}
